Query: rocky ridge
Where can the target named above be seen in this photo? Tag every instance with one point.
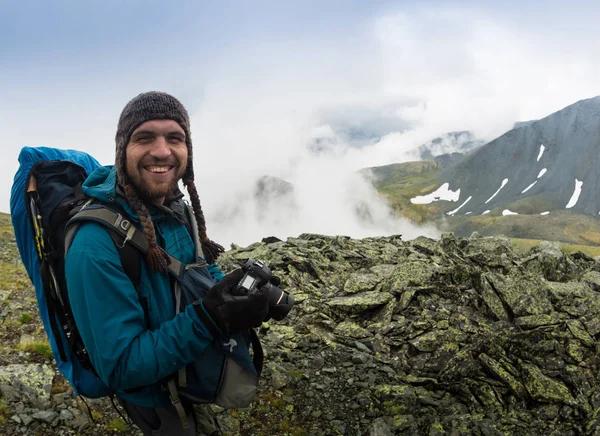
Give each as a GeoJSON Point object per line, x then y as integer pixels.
{"type": "Point", "coordinates": [425, 337]}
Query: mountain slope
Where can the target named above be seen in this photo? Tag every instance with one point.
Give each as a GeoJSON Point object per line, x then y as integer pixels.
{"type": "Point", "coordinates": [539, 181]}
{"type": "Point", "coordinates": [549, 160]}
{"type": "Point", "coordinates": [398, 183]}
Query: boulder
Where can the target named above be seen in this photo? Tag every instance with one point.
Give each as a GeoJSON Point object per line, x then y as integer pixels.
{"type": "Point", "coordinates": [31, 383]}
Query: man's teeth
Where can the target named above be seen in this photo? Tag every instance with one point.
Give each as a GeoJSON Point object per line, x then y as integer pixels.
{"type": "Point", "coordinates": [158, 169]}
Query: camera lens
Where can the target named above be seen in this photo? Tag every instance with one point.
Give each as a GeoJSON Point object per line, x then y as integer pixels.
{"type": "Point", "coordinates": [280, 303]}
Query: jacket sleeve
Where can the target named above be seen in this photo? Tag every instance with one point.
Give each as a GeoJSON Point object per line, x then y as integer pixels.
{"type": "Point", "coordinates": [215, 272]}
{"type": "Point", "coordinates": [110, 318]}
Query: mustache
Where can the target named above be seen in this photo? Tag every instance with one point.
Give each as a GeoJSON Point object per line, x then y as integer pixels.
{"type": "Point", "coordinates": [161, 162]}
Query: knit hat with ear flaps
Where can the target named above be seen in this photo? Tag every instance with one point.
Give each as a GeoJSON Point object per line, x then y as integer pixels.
{"type": "Point", "coordinates": [158, 106]}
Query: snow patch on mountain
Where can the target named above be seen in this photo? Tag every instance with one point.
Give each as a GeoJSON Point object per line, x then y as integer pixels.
{"type": "Point", "coordinates": [508, 212]}
{"type": "Point", "coordinates": [542, 148]}
{"type": "Point", "coordinates": [528, 188]}
{"type": "Point", "coordinates": [452, 212]}
{"type": "Point", "coordinates": [545, 213]}
{"type": "Point", "coordinates": [442, 193]}
{"type": "Point", "coordinates": [576, 193]}
{"type": "Point", "coordinates": [542, 172]}
{"type": "Point", "coordinates": [504, 182]}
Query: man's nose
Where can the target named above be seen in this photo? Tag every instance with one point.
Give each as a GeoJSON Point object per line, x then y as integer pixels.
{"type": "Point", "coordinates": [160, 149]}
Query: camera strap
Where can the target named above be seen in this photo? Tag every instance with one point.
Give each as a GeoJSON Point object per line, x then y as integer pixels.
{"type": "Point", "coordinates": [194, 232]}
{"type": "Point", "coordinates": [258, 356]}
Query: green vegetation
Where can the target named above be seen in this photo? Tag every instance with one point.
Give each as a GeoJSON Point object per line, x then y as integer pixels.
{"type": "Point", "coordinates": [408, 180]}
{"type": "Point", "coordinates": [562, 226]}
{"type": "Point", "coordinates": [25, 318]}
{"type": "Point", "coordinates": [5, 223]}
{"type": "Point", "coordinates": [117, 425]}
{"type": "Point", "coordinates": [13, 275]}
{"type": "Point", "coordinates": [10, 324]}
{"type": "Point", "coordinates": [3, 413]}
{"type": "Point", "coordinates": [60, 384]}
{"type": "Point", "coordinates": [40, 347]}
{"type": "Point", "coordinates": [398, 183]}
{"type": "Point", "coordinates": [274, 409]}
{"type": "Point", "coordinates": [524, 245]}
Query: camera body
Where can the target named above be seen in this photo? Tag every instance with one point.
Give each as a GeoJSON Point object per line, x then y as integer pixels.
{"type": "Point", "coordinates": [258, 274]}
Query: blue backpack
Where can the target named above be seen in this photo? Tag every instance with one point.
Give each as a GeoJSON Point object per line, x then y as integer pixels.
{"type": "Point", "coordinates": [47, 207]}
{"type": "Point", "coordinates": [36, 196]}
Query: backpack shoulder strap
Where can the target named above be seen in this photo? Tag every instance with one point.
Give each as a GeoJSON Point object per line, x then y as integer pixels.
{"type": "Point", "coordinates": [121, 231]}
{"type": "Point", "coordinates": [114, 221]}
{"type": "Point", "coordinates": [131, 260]}
{"type": "Point", "coordinates": [117, 223]}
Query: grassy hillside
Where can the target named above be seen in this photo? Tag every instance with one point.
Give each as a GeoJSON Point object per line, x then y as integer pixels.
{"type": "Point", "coordinates": [561, 226]}
{"type": "Point", "coordinates": [12, 273]}
{"type": "Point", "coordinates": [398, 183]}
{"type": "Point", "coordinates": [524, 245]}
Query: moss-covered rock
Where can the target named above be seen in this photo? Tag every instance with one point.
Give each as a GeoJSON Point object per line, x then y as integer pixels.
{"type": "Point", "coordinates": [34, 382]}
{"type": "Point", "coordinates": [430, 337]}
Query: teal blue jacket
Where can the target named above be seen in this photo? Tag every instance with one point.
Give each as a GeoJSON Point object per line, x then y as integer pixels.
{"type": "Point", "coordinates": [129, 358]}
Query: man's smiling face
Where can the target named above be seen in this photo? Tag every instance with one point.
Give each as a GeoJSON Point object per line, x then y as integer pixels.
{"type": "Point", "coordinates": [156, 158]}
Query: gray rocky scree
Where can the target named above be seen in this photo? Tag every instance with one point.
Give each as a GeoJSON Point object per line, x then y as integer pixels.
{"type": "Point", "coordinates": [427, 337]}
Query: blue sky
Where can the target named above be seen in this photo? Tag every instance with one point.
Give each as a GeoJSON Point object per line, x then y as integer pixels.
{"type": "Point", "coordinates": [262, 79]}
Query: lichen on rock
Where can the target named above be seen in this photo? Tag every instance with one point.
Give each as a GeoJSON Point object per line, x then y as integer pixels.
{"type": "Point", "coordinates": [460, 336]}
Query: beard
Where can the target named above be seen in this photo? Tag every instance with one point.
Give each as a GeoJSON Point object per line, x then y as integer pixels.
{"type": "Point", "coordinates": [150, 189]}
{"type": "Point", "coordinates": [151, 194]}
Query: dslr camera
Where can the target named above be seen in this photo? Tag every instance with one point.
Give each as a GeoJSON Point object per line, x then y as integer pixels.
{"type": "Point", "coordinates": [257, 275]}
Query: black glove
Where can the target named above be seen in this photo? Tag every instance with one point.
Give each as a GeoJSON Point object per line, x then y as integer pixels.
{"type": "Point", "coordinates": [235, 312]}
{"type": "Point", "coordinates": [276, 281]}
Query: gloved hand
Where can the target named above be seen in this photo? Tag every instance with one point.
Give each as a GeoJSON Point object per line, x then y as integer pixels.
{"type": "Point", "coordinates": [275, 281]}
{"type": "Point", "coordinates": [235, 312]}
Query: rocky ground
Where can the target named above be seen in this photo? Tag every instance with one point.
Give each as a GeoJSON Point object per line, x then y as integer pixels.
{"type": "Point", "coordinates": [427, 337]}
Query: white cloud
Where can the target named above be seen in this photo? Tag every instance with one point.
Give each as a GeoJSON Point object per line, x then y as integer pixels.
{"type": "Point", "coordinates": [460, 65]}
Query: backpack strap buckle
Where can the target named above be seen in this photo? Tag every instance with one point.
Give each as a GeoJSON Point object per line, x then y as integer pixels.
{"type": "Point", "coordinates": [126, 225]}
